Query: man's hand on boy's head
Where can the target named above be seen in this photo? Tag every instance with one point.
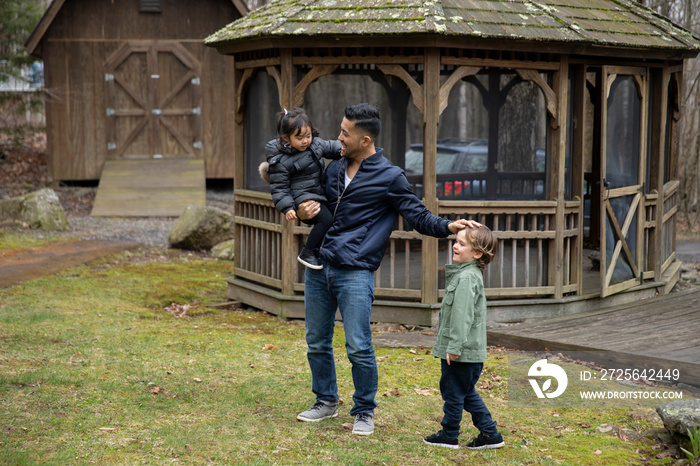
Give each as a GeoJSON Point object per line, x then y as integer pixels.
{"type": "Point", "coordinates": [461, 224]}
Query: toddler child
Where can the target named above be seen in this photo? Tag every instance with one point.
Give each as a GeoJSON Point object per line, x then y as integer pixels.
{"type": "Point", "coordinates": [295, 172]}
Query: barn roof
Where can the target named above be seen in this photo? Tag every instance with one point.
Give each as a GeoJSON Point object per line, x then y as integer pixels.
{"type": "Point", "coordinates": [610, 23]}
{"type": "Point", "coordinates": [34, 41]}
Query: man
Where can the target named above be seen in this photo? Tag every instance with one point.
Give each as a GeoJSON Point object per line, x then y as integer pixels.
{"type": "Point", "coordinates": [366, 192]}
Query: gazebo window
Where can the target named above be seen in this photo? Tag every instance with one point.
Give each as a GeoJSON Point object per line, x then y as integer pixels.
{"type": "Point", "coordinates": [492, 139]}
{"type": "Point", "coordinates": [522, 140]}
{"type": "Point", "coordinates": [261, 105]}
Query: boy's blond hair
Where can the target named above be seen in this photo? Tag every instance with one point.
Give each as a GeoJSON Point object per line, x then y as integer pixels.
{"type": "Point", "coordinates": [484, 241]}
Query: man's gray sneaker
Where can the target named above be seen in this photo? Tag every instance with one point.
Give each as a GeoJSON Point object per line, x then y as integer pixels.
{"type": "Point", "coordinates": [318, 412]}
{"type": "Point", "coordinates": [364, 424]}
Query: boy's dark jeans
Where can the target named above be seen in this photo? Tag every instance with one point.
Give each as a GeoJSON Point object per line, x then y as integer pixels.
{"type": "Point", "coordinates": [457, 387]}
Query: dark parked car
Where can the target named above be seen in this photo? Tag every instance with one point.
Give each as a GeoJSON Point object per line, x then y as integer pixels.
{"type": "Point", "coordinates": [461, 169]}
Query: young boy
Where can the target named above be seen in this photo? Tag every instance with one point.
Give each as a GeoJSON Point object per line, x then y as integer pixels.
{"type": "Point", "coordinates": [461, 341]}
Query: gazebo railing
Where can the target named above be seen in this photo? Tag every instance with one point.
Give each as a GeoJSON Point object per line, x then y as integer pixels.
{"type": "Point", "coordinates": [259, 231]}
{"type": "Point", "coordinates": [526, 233]}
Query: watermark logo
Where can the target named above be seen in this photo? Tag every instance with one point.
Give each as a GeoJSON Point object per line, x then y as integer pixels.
{"type": "Point", "coordinates": [543, 368]}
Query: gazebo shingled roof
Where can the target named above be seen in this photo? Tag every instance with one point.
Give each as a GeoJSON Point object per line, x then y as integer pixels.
{"type": "Point", "coordinates": [609, 23]}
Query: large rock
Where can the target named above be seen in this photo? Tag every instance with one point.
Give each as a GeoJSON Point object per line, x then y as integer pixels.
{"type": "Point", "coordinates": [39, 210]}
{"type": "Point", "coordinates": [681, 415]}
{"type": "Point", "coordinates": [200, 228]}
{"type": "Point", "coordinates": [224, 250]}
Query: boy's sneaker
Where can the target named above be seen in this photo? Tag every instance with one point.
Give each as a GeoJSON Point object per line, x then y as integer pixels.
{"type": "Point", "coordinates": [364, 424]}
{"type": "Point", "coordinates": [310, 259]}
{"type": "Point", "coordinates": [319, 412]}
{"type": "Point", "coordinates": [482, 442]}
{"type": "Point", "coordinates": [439, 440]}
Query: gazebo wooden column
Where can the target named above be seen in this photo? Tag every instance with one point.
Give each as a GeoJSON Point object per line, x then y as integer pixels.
{"type": "Point", "coordinates": [431, 115]}
{"type": "Point", "coordinates": [289, 260]}
{"type": "Point", "coordinates": [577, 164]}
{"type": "Point", "coordinates": [557, 177]}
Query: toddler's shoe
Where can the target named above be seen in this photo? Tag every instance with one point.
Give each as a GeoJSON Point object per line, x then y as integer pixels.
{"type": "Point", "coordinates": [310, 259]}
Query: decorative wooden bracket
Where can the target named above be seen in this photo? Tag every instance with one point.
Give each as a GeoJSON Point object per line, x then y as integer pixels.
{"type": "Point", "coordinates": [549, 95]}
{"type": "Point", "coordinates": [413, 86]}
{"type": "Point", "coordinates": [275, 74]}
{"type": "Point", "coordinates": [456, 76]}
{"type": "Point", "coordinates": [313, 74]}
{"type": "Point", "coordinates": [242, 84]}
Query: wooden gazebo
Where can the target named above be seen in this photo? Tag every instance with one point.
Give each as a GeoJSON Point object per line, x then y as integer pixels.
{"type": "Point", "coordinates": [553, 123]}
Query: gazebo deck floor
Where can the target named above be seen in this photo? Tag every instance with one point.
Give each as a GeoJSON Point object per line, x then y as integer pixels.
{"type": "Point", "coordinates": [657, 333]}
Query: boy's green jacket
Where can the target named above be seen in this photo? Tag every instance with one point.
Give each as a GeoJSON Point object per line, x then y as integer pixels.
{"type": "Point", "coordinates": [462, 326]}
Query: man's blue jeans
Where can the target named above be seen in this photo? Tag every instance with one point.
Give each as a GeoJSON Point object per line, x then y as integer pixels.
{"type": "Point", "coordinates": [457, 388]}
{"type": "Point", "coordinates": [351, 291]}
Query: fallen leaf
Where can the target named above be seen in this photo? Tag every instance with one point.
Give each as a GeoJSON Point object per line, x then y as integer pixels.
{"type": "Point", "coordinates": [486, 385]}
{"type": "Point", "coordinates": [412, 351]}
{"type": "Point", "coordinates": [178, 310]}
{"type": "Point", "coordinates": [348, 425]}
{"type": "Point", "coordinates": [157, 390]}
{"type": "Point", "coordinates": [197, 379]}
{"type": "Point", "coordinates": [269, 347]}
{"type": "Point", "coordinates": [394, 392]}
{"type": "Point", "coordinates": [108, 429]}
{"type": "Point", "coordinates": [418, 359]}
{"type": "Point", "coordinates": [424, 392]}
{"type": "Point", "coordinates": [597, 452]}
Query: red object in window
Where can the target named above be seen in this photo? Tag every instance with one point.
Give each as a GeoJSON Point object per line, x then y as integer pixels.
{"type": "Point", "coordinates": [448, 189]}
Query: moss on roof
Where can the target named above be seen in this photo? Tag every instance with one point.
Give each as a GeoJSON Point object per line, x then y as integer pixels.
{"type": "Point", "coordinates": [620, 23]}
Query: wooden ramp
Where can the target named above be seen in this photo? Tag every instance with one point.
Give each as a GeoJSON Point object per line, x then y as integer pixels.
{"type": "Point", "coordinates": [657, 333]}
{"type": "Point", "coordinates": [149, 188]}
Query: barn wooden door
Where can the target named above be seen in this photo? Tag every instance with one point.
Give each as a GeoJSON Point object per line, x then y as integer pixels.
{"type": "Point", "coordinates": [623, 166]}
{"type": "Point", "coordinates": [153, 101]}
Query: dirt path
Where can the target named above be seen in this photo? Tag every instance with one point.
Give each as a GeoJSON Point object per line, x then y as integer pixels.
{"type": "Point", "coordinates": [46, 260]}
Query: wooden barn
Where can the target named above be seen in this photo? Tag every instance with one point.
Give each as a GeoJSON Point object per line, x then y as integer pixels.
{"type": "Point", "coordinates": [132, 90]}
{"type": "Point", "coordinates": [554, 123]}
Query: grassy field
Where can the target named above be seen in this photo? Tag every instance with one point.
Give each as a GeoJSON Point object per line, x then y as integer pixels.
{"type": "Point", "coordinates": [127, 362]}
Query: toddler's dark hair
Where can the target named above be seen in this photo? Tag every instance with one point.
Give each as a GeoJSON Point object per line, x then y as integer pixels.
{"type": "Point", "coordinates": [291, 122]}
{"type": "Point", "coordinates": [484, 241]}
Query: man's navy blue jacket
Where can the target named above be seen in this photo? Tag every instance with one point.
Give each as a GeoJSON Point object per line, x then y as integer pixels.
{"type": "Point", "coordinates": [365, 213]}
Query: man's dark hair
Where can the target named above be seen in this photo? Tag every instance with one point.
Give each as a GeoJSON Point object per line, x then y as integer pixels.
{"type": "Point", "coordinates": [366, 117]}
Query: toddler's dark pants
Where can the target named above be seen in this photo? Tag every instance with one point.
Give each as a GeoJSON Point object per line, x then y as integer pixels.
{"type": "Point", "coordinates": [321, 222]}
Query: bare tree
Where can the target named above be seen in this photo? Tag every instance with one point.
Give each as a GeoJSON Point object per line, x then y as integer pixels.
{"type": "Point", "coordinates": [686, 13]}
